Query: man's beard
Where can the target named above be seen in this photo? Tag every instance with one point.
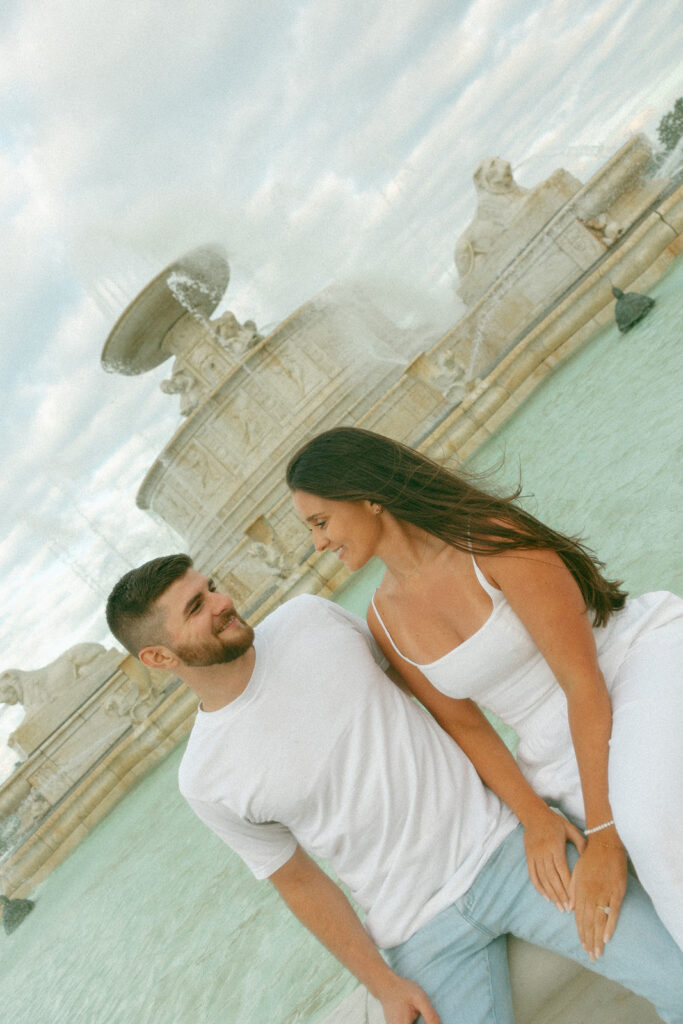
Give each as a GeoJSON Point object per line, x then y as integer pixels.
{"type": "Point", "coordinates": [218, 650]}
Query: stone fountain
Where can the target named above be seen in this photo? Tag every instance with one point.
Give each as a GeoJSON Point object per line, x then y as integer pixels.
{"type": "Point", "coordinates": [537, 267]}
{"type": "Point", "coordinates": [245, 401]}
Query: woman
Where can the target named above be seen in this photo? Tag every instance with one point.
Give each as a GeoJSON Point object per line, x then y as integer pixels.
{"type": "Point", "coordinates": [482, 602]}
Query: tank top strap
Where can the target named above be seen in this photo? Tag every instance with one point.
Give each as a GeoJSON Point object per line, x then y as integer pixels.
{"type": "Point", "coordinates": [388, 634]}
{"type": "Point", "coordinates": [493, 592]}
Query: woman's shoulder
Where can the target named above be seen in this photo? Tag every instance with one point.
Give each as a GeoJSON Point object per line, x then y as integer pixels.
{"type": "Point", "coordinates": [518, 562]}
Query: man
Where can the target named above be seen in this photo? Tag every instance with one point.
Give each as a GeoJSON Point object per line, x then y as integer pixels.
{"type": "Point", "coordinates": [301, 743]}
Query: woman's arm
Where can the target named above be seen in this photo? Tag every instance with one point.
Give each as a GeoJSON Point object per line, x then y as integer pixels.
{"type": "Point", "coordinates": [545, 831]}
{"type": "Point", "coordinates": [545, 596]}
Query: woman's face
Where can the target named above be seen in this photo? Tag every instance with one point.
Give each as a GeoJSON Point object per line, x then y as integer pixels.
{"type": "Point", "coordinates": [350, 529]}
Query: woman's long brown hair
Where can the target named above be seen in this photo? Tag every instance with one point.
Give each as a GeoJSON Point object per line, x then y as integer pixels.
{"type": "Point", "coordinates": [351, 464]}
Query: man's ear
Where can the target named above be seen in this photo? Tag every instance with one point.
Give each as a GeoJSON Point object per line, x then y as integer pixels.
{"type": "Point", "coordinates": [158, 656]}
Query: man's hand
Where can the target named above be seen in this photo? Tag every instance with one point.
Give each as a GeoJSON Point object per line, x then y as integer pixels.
{"type": "Point", "coordinates": [544, 842]}
{"type": "Point", "coordinates": [324, 909]}
{"type": "Point", "coordinates": [598, 882]}
{"type": "Point", "coordinates": [404, 1001]}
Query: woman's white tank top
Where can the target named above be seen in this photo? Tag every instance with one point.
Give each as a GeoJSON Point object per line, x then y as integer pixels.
{"type": "Point", "coordinates": [501, 668]}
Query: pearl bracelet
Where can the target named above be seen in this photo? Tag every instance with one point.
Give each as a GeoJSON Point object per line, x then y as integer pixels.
{"type": "Point", "coordinates": [598, 828]}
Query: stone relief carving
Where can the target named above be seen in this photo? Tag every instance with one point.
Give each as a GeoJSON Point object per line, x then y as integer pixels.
{"type": "Point", "coordinates": [172, 506]}
{"type": "Point", "coordinates": [245, 423]}
{"type": "Point", "coordinates": [210, 361]}
{"type": "Point", "coordinates": [266, 548]}
{"type": "Point", "coordinates": [580, 244]}
{"type": "Point", "coordinates": [197, 474]}
{"type": "Point", "coordinates": [309, 379]}
{"type": "Point", "coordinates": [452, 379]}
{"type": "Point", "coordinates": [237, 338]}
{"type": "Point", "coordinates": [200, 363]}
{"type": "Point", "coordinates": [276, 561]}
{"type": "Point", "coordinates": [138, 696]}
{"type": "Point", "coordinates": [183, 383]}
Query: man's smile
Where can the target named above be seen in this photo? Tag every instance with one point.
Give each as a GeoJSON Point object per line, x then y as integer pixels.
{"type": "Point", "coordinates": [227, 622]}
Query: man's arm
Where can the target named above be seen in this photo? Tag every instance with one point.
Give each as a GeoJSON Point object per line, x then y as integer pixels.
{"type": "Point", "coordinates": [323, 908]}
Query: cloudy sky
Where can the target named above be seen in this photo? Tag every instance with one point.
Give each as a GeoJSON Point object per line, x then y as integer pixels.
{"type": "Point", "coordinates": [318, 141]}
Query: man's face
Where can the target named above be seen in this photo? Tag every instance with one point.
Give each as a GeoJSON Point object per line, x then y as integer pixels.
{"type": "Point", "coordinates": [202, 626]}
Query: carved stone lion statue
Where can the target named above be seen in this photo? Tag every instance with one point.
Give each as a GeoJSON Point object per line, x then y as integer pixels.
{"type": "Point", "coordinates": [507, 218]}
{"type": "Point", "coordinates": [36, 687]}
{"type": "Point", "coordinates": [50, 694]}
{"type": "Point", "coordinates": [498, 200]}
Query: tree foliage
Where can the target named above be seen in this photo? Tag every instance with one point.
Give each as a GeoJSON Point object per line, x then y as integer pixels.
{"type": "Point", "coordinates": [670, 127]}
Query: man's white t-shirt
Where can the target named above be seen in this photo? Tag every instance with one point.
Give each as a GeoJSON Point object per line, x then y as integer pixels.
{"type": "Point", "coordinates": [321, 749]}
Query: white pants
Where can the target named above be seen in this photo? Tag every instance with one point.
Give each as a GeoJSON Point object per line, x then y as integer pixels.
{"type": "Point", "coordinates": [646, 767]}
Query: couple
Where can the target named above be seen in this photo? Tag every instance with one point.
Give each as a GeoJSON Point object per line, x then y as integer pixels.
{"type": "Point", "coordinates": [303, 745]}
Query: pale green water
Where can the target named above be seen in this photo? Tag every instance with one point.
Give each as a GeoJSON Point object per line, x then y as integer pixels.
{"type": "Point", "coordinates": [153, 921]}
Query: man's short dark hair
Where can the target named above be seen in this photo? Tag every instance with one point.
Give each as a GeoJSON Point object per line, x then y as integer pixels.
{"type": "Point", "coordinates": [131, 614]}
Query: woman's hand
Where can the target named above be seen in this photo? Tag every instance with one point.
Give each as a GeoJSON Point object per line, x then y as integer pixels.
{"type": "Point", "coordinates": [598, 882]}
{"type": "Point", "coordinates": [544, 841]}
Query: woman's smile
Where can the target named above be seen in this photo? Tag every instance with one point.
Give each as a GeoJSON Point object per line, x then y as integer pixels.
{"type": "Point", "coordinates": [348, 529]}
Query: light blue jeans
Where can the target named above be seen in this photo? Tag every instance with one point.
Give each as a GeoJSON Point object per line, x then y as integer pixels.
{"type": "Point", "coordinates": [460, 957]}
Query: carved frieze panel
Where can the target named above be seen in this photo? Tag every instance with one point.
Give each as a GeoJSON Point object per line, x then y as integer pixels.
{"type": "Point", "coordinates": [211, 362]}
{"type": "Point", "coordinates": [198, 475]}
{"type": "Point", "coordinates": [237, 434]}
{"type": "Point", "coordinates": [294, 377]}
{"type": "Point", "coordinates": [579, 244]}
